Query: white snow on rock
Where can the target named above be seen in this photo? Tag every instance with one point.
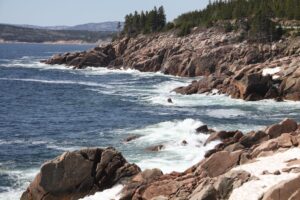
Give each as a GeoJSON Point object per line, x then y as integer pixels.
{"type": "Point", "coordinates": [272, 72]}
{"type": "Point", "coordinates": [254, 189]}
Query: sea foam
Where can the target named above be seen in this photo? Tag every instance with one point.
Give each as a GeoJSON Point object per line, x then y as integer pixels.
{"type": "Point", "coordinates": [109, 194]}
{"type": "Point", "coordinates": [175, 155]}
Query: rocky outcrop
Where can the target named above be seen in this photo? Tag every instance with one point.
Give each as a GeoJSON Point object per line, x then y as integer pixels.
{"type": "Point", "coordinates": [213, 178]}
{"type": "Point", "coordinates": [74, 175]}
{"type": "Point", "coordinates": [221, 175]}
{"type": "Point", "coordinates": [234, 66]}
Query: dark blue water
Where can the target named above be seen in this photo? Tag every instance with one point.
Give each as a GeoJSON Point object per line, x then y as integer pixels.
{"type": "Point", "coordinates": [45, 110]}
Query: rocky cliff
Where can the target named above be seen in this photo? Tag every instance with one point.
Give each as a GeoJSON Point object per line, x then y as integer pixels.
{"type": "Point", "coordinates": [225, 61]}
{"type": "Point", "coordinates": [261, 164]}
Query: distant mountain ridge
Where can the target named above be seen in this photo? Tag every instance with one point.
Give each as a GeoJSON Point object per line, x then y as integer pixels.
{"type": "Point", "coordinates": [111, 26]}
{"type": "Point", "coordinates": [12, 33]}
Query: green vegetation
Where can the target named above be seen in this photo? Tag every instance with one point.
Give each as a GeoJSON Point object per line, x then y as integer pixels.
{"type": "Point", "coordinates": [258, 12]}
{"type": "Point", "coordinates": [20, 34]}
{"type": "Point", "coordinates": [257, 16]}
{"type": "Point", "coordinates": [145, 22]}
{"type": "Point", "coordinates": [238, 9]}
{"type": "Point", "coordinates": [263, 29]}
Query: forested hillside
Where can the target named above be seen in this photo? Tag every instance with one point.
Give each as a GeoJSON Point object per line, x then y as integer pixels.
{"type": "Point", "coordinates": [258, 16]}
{"type": "Point", "coordinates": [237, 9]}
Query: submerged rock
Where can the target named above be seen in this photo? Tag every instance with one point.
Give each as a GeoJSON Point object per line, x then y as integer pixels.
{"type": "Point", "coordinates": [170, 100]}
{"type": "Point", "coordinates": [131, 138]}
{"type": "Point", "coordinates": [155, 147]}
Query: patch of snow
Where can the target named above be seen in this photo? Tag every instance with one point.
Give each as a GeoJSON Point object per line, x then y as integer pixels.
{"type": "Point", "coordinates": [275, 77]}
{"type": "Point", "coordinates": [254, 189]}
{"type": "Point", "coordinates": [271, 71]}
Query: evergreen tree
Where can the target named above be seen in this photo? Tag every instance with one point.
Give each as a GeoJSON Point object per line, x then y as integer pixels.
{"type": "Point", "coordinates": [262, 28]}
{"type": "Point", "coordinates": [145, 22]}
{"type": "Point", "coordinates": [161, 18]}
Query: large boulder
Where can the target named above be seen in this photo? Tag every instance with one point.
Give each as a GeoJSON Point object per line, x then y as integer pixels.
{"type": "Point", "coordinates": [253, 86]}
{"type": "Point", "coordinates": [220, 162]}
{"type": "Point", "coordinates": [290, 87]}
{"type": "Point", "coordinates": [286, 140]}
{"type": "Point", "coordinates": [286, 126]}
{"type": "Point", "coordinates": [252, 138]}
{"type": "Point", "coordinates": [205, 191]}
{"type": "Point", "coordinates": [74, 175]}
{"type": "Point", "coordinates": [224, 136]}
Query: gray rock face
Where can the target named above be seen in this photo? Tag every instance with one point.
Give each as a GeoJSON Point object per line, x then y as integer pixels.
{"type": "Point", "coordinates": [74, 175]}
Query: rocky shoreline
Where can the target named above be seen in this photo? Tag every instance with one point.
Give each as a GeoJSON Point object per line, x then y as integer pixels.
{"type": "Point", "coordinates": [224, 61]}
{"type": "Point", "coordinates": [261, 164]}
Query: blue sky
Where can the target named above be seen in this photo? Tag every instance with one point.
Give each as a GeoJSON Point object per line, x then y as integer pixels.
{"type": "Point", "coordinates": [72, 12]}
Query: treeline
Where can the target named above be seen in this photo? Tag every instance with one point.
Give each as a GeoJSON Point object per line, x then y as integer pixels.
{"type": "Point", "coordinates": [145, 22]}
{"type": "Point", "coordinates": [258, 17]}
{"type": "Point", "coordinates": [238, 9]}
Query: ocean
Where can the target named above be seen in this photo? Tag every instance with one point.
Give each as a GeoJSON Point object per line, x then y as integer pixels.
{"type": "Point", "coordinates": [46, 110]}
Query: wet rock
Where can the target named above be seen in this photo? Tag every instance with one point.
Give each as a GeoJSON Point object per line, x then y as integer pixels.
{"type": "Point", "coordinates": [210, 152]}
{"type": "Point", "coordinates": [155, 148]}
{"type": "Point", "coordinates": [132, 137]}
{"type": "Point", "coordinates": [224, 135]}
{"type": "Point", "coordinates": [266, 172]}
{"type": "Point", "coordinates": [170, 100]}
{"type": "Point", "coordinates": [277, 172]}
{"type": "Point", "coordinates": [202, 129]}
{"type": "Point", "coordinates": [184, 143]}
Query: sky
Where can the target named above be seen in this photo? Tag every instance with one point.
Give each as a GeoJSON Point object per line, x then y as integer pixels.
{"type": "Point", "coordinates": [73, 12]}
